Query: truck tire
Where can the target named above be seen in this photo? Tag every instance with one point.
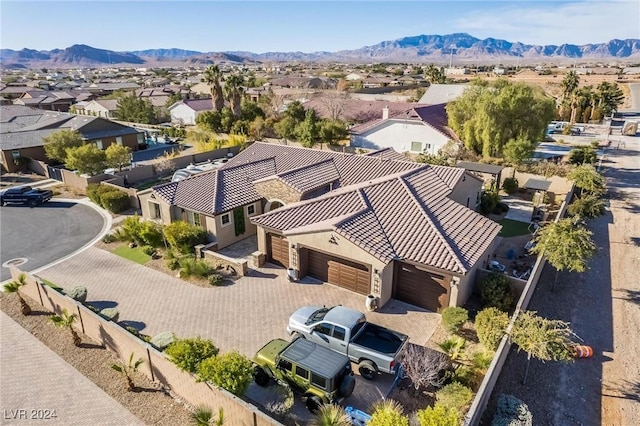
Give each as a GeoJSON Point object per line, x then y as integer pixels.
{"type": "Point", "coordinates": [347, 386]}
{"type": "Point", "coordinates": [313, 403]}
{"type": "Point", "coordinates": [260, 377]}
{"type": "Point", "coordinates": [33, 202]}
{"type": "Point", "coordinates": [367, 369]}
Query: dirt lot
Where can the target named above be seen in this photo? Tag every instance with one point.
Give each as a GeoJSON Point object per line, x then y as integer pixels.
{"type": "Point", "coordinates": [602, 307]}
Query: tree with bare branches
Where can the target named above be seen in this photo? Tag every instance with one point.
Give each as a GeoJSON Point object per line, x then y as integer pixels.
{"type": "Point", "coordinates": [424, 366]}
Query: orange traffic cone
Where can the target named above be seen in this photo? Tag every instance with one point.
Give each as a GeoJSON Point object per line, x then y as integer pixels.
{"type": "Point", "coordinates": [581, 351]}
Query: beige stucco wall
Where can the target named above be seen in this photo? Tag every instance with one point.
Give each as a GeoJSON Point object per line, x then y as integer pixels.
{"type": "Point", "coordinates": [467, 282]}
{"type": "Point", "coordinates": [275, 189]}
{"type": "Point", "coordinates": [226, 235]}
{"type": "Point", "coordinates": [165, 209]}
{"type": "Point", "coordinates": [467, 191]}
{"type": "Point", "coordinates": [347, 250]}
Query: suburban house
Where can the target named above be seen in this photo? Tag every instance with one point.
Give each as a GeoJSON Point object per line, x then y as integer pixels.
{"type": "Point", "coordinates": [185, 112]}
{"type": "Point", "coordinates": [373, 224]}
{"type": "Point", "coordinates": [421, 129]}
{"type": "Point", "coordinates": [442, 93]}
{"type": "Point", "coordinates": [51, 100]}
{"type": "Point", "coordinates": [22, 129]}
{"type": "Point", "coordinates": [100, 108]}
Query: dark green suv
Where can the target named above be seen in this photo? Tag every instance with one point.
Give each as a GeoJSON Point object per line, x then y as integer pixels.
{"type": "Point", "coordinates": [319, 374]}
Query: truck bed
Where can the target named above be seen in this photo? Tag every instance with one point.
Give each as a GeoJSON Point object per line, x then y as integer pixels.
{"type": "Point", "coordinates": [379, 339]}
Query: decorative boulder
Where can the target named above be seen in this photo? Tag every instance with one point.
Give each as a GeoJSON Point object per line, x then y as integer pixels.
{"type": "Point", "coordinates": [164, 339]}
{"type": "Point", "coordinates": [110, 313]}
{"type": "Point", "coordinates": [78, 293]}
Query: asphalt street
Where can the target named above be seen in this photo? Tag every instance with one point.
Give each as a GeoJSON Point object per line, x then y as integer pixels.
{"type": "Point", "coordinates": [46, 233]}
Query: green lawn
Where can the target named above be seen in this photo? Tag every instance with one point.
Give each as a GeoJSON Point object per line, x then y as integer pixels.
{"type": "Point", "coordinates": [513, 228]}
{"type": "Point", "coordinates": [133, 254]}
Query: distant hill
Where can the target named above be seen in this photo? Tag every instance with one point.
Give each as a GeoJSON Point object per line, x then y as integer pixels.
{"type": "Point", "coordinates": [416, 49]}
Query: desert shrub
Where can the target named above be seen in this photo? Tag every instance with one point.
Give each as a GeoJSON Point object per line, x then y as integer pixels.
{"type": "Point", "coordinates": [111, 314]}
{"type": "Point", "coordinates": [78, 293]}
{"type": "Point", "coordinates": [495, 291]}
{"type": "Point", "coordinates": [109, 238]}
{"type": "Point", "coordinates": [453, 318]}
{"type": "Point", "coordinates": [283, 402]}
{"type": "Point", "coordinates": [465, 375]}
{"type": "Point", "coordinates": [488, 201]}
{"type": "Point", "coordinates": [438, 415]}
{"type": "Point", "coordinates": [183, 236]}
{"type": "Point", "coordinates": [510, 185]}
{"type": "Point", "coordinates": [215, 279]}
{"type": "Point", "coordinates": [114, 200]}
{"type": "Point", "coordinates": [191, 266]}
{"type": "Point", "coordinates": [455, 396]}
{"type": "Point", "coordinates": [150, 234]}
{"type": "Point", "coordinates": [148, 250]}
{"type": "Point", "coordinates": [163, 340]}
{"type": "Point", "coordinates": [231, 371]}
{"type": "Point", "coordinates": [93, 192]}
{"type": "Point", "coordinates": [93, 309]}
{"type": "Point", "coordinates": [388, 412]}
{"type": "Point", "coordinates": [511, 412]}
{"type": "Point", "coordinates": [491, 324]}
{"type": "Point", "coordinates": [173, 263]}
{"type": "Point", "coordinates": [187, 354]}
{"type": "Point", "coordinates": [582, 155]}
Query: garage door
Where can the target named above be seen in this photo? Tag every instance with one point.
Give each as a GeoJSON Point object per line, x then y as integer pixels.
{"type": "Point", "coordinates": [341, 272]}
{"type": "Point", "coordinates": [421, 288]}
{"type": "Point", "coordinates": [278, 250]}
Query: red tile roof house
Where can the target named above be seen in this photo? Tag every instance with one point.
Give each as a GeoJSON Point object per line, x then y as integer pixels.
{"type": "Point", "coordinates": [372, 224]}
{"type": "Point", "coordinates": [418, 129]}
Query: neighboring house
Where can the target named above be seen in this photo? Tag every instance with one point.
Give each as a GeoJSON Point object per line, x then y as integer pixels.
{"type": "Point", "coordinates": [12, 91]}
{"type": "Point", "coordinates": [442, 93]}
{"type": "Point", "coordinates": [354, 110]}
{"type": "Point", "coordinates": [185, 112]}
{"type": "Point", "coordinates": [22, 129]}
{"type": "Point", "coordinates": [47, 100]}
{"type": "Point", "coordinates": [101, 108]}
{"type": "Point", "coordinates": [418, 130]}
{"type": "Point", "coordinates": [373, 224]}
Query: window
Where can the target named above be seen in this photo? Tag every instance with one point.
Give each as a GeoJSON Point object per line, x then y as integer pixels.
{"type": "Point", "coordinates": [427, 147]}
{"type": "Point", "coordinates": [301, 372]}
{"type": "Point", "coordinates": [99, 143]}
{"type": "Point", "coordinates": [225, 219]}
{"type": "Point", "coordinates": [324, 329]}
{"type": "Point", "coordinates": [196, 219]}
{"type": "Point", "coordinates": [119, 140]}
{"type": "Point", "coordinates": [339, 332]}
{"type": "Point", "coordinates": [251, 210]}
{"type": "Point", "coordinates": [15, 154]}
{"type": "Point", "coordinates": [154, 209]}
{"type": "Point", "coordinates": [321, 382]}
{"type": "Point", "coordinates": [283, 364]}
{"type": "Point", "coordinates": [416, 146]}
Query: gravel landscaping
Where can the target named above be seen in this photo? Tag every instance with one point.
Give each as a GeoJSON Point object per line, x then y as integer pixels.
{"type": "Point", "coordinates": [150, 403]}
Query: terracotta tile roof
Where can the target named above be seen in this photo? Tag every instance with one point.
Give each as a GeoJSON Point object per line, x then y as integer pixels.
{"type": "Point", "coordinates": [404, 216]}
{"type": "Point", "coordinates": [312, 176]}
{"type": "Point", "coordinates": [387, 154]}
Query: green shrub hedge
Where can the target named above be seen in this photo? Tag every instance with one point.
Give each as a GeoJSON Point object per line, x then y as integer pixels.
{"type": "Point", "coordinates": [108, 197]}
{"type": "Point", "coordinates": [495, 290]}
{"type": "Point", "coordinates": [453, 318]}
{"type": "Point", "coordinates": [183, 236]}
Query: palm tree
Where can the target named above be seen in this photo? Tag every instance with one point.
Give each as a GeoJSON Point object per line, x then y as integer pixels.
{"type": "Point", "coordinates": [203, 415]}
{"type": "Point", "coordinates": [128, 370]}
{"type": "Point", "coordinates": [331, 415]}
{"type": "Point", "coordinates": [65, 320]}
{"type": "Point", "coordinates": [453, 347]}
{"type": "Point", "coordinates": [233, 90]}
{"type": "Point", "coordinates": [14, 287]}
{"type": "Point", "coordinates": [569, 85]}
{"type": "Point", "coordinates": [212, 77]}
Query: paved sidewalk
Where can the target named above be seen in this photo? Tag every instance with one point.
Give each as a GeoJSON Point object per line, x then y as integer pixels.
{"type": "Point", "coordinates": [35, 381]}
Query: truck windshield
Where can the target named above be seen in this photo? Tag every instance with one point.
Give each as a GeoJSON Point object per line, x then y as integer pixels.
{"type": "Point", "coordinates": [317, 316]}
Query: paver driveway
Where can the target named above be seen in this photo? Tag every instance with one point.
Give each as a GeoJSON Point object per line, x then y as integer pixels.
{"type": "Point", "coordinates": [242, 316]}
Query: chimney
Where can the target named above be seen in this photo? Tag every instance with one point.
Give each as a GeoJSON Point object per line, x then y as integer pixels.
{"type": "Point", "coordinates": [385, 113]}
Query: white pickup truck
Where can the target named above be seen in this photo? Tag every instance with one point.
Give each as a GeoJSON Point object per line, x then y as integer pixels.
{"type": "Point", "coordinates": [373, 347]}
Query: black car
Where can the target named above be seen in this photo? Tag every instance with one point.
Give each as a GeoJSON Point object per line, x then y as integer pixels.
{"type": "Point", "coordinates": [25, 195]}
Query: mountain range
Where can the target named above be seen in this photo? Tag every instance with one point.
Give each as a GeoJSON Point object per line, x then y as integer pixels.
{"type": "Point", "coordinates": [460, 47]}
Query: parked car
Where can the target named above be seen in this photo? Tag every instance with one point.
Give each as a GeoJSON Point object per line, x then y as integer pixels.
{"type": "Point", "coordinates": [321, 375]}
{"type": "Point", "coordinates": [25, 195]}
{"type": "Point", "coordinates": [374, 348]}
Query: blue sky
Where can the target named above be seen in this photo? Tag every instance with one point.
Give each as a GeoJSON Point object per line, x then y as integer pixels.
{"type": "Point", "coordinates": [308, 26]}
